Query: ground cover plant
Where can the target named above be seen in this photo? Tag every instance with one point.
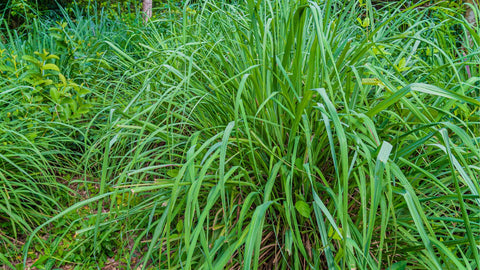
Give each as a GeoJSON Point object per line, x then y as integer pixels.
{"type": "Point", "coordinates": [269, 134]}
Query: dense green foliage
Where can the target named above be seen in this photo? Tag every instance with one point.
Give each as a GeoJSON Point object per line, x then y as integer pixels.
{"type": "Point", "coordinates": [271, 134]}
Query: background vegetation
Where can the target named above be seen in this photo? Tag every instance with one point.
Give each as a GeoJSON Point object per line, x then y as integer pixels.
{"type": "Point", "coordinates": [270, 134]}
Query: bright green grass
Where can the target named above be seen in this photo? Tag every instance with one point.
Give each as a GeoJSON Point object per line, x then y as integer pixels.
{"type": "Point", "coordinates": [271, 134]}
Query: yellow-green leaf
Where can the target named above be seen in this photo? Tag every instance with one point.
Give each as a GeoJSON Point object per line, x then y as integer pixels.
{"type": "Point", "coordinates": [303, 208]}
{"type": "Point", "coordinates": [63, 79]}
{"type": "Point", "coordinates": [50, 66]}
{"type": "Point", "coordinates": [333, 233]}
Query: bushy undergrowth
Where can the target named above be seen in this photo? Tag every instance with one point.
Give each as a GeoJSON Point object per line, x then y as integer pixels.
{"type": "Point", "coordinates": [269, 134]}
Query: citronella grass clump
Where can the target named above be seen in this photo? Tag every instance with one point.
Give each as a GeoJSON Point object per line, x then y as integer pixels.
{"type": "Point", "coordinates": [262, 134]}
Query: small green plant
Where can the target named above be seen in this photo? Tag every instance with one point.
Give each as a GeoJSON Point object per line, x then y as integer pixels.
{"type": "Point", "coordinates": [50, 84]}
{"type": "Point", "coordinates": [49, 90]}
{"type": "Point", "coordinates": [46, 88]}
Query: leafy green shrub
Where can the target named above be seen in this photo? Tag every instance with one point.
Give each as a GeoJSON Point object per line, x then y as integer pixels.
{"type": "Point", "coordinates": [45, 88]}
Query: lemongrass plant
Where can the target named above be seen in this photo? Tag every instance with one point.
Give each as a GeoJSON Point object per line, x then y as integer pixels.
{"type": "Point", "coordinates": [284, 134]}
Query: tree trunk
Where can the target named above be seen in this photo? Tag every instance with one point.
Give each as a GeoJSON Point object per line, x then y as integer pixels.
{"type": "Point", "coordinates": [147, 9]}
{"type": "Point", "coordinates": [470, 14]}
{"type": "Point", "coordinates": [470, 17]}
